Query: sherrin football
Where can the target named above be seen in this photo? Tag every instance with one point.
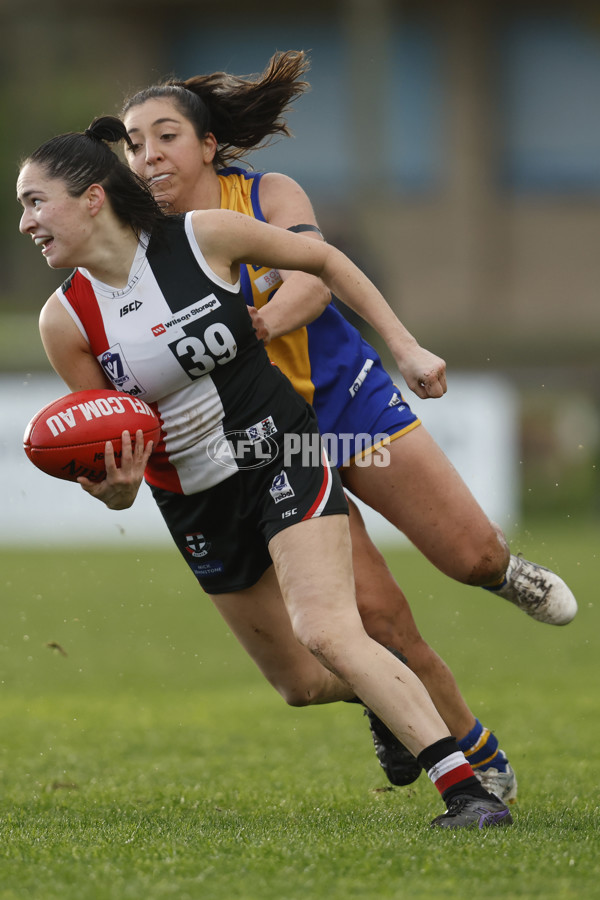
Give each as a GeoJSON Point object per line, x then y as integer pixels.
{"type": "Point", "coordinates": [66, 438]}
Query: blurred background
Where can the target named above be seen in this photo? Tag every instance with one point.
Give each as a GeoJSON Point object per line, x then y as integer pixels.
{"type": "Point", "coordinates": [451, 148]}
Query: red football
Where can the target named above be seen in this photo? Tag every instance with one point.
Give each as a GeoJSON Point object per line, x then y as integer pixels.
{"type": "Point", "coordinates": [66, 438]}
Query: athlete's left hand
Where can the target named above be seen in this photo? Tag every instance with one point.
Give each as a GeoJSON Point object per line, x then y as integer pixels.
{"type": "Point", "coordinates": [260, 326]}
{"type": "Point", "coordinates": [424, 373]}
{"type": "Point", "coordinates": [119, 488]}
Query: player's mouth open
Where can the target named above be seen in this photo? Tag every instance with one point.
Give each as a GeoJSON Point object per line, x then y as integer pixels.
{"type": "Point", "coordinates": [158, 178]}
{"type": "Point", "coordinates": [44, 243]}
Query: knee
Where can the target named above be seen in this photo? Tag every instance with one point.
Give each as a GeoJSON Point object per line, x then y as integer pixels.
{"type": "Point", "coordinates": [324, 643]}
{"type": "Point", "coordinates": [307, 680]}
{"type": "Point", "coordinates": [493, 559]}
{"type": "Point", "coordinates": [313, 685]}
{"type": "Point", "coordinates": [299, 695]}
{"type": "Point", "coordinates": [304, 682]}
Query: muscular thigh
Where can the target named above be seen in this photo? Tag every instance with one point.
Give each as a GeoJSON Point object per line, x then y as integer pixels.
{"type": "Point", "coordinates": [423, 495]}
{"type": "Point", "coordinates": [313, 563]}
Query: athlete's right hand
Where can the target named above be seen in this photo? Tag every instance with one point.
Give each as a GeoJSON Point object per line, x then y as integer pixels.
{"type": "Point", "coordinates": [424, 373]}
{"type": "Point", "coordinates": [119, 488]}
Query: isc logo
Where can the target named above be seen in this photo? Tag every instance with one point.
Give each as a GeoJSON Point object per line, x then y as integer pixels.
{"type": "Point", "coordinates": [129, 308]}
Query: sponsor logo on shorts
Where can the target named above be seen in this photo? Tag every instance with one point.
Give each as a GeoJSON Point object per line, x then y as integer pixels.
{"type": "Point", "coordinates": [281, 488]}
{"type": "Point", "coordinates": [208, 568]}
{"type": "Point", "coordinates": [197, 545]}
{"type": "Point", "coordinates": [358, 381]}
{"type": "Point", "coordinates": [397, 401]}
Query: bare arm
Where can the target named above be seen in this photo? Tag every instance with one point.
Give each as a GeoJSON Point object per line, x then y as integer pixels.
{"type": "Point", "coordinates": [68, 351]}
{"type": "Point", "coordinates": [71, 357]}
{"type": "Point", "coordinates": [423, 371]}
{"type": "Point", "coordinates": [301, 298]}
{"type": "Point", "coordinates": [228, 239]}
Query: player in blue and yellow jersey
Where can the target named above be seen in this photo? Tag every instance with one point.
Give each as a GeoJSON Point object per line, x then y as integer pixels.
{"type": "Point", "coordinates": [186, 135]}
{"type": "Point", "coordinates": [352, 394]}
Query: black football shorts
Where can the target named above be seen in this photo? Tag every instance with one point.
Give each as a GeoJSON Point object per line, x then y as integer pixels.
{"type": "Point", "coordinates": [223, 533]}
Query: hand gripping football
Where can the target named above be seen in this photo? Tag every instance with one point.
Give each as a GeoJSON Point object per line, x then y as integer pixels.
{"type": "Point", "coordinates": [66, 438]}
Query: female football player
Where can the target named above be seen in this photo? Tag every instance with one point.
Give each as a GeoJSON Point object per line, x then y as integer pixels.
{"type": "Point", "coordinates": [273, 524]}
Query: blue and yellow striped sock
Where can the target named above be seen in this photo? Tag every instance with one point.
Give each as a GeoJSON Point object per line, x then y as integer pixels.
{"type": "Point", "coordinates": [480, 747]}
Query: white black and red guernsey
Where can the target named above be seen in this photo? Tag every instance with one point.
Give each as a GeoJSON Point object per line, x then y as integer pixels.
{"type": "Point", "coordinates": [170, 337]}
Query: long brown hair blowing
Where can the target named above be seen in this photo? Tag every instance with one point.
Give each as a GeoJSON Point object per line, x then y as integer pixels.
{"type": "Point", "coordinates": [241, 112]}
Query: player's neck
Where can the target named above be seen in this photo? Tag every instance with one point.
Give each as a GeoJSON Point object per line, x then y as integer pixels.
{"type": "Point", "coordinates": [205, 195]}
{"type": "Point", "coordinates": [112, 259]}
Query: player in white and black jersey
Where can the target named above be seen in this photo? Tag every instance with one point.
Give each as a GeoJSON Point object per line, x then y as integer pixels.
{"type": "Point", "coordinates": [83, 207]}
{"type": "Point", "coordinates": [223, 441]}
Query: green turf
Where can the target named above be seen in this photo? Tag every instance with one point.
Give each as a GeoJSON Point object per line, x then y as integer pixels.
{"type": "Point", "coordinates": [144, 757]}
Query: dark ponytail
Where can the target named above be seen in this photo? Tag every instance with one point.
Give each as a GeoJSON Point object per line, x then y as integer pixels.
{"type": "Point", "coordinates": [240, 112]}
{"type": "Point", "coordinates": [80, 159]}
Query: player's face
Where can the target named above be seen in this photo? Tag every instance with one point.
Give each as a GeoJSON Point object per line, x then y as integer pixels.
{"type": "Point", "coordinates": [168, 154]}
{"type": "Point", "coordinates": [55, 220]}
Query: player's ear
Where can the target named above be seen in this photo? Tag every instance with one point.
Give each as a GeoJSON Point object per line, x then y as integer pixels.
{"type": "Point", "coordinates": [95, 196]}
{"type": "Point", "coordinates": [209, 147]}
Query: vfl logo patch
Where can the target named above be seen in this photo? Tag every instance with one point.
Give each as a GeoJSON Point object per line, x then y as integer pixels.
{"type": "Point", "coordinates": [197, 545]}
{"type": "Point", "coordinates": [115, 366]}
{"type": "Point", "coordinates": [281, 489]}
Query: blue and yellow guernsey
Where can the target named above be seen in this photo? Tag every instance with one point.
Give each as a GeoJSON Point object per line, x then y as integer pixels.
{"type": "Point", "coordinates": [327, 361]}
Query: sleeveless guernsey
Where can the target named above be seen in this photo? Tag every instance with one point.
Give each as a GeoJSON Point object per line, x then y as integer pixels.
{"type": "Point", "coordinates": [168, 337]}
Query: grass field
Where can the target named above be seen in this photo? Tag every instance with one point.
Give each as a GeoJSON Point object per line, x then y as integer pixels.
{"type": "Point", "coordinates": [143, 756]}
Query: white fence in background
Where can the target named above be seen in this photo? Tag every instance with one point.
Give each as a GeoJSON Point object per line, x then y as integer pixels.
{"type": "Point", "coordinates": [476, 424]}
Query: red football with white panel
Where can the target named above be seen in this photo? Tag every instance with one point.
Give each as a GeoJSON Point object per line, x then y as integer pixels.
{"type": "Point", "coordinates": [66, 438]}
